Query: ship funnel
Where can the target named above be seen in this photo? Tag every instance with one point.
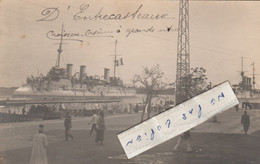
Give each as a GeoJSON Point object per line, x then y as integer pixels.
{"type": "Point", "coordinates": [82, 71]}
{"type": "Point", "coordinates": [106, 74]}
{"type": "Point", "coordinates": [249, 84]}
{"type": "Point", "coordinates": [69, 71]}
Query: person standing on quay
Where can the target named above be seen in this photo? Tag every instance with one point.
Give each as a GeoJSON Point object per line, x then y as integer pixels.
{"type": "Point", "coordinates": [39, 148]}
{"type": "Point", "coordinates": [94, 121]}
{"type": "Point", "coordinates": [100, 129]}
{"type": "Point", "coordinates": [68, 126]}
{"type": "Point", "coordinates": [245, 120]}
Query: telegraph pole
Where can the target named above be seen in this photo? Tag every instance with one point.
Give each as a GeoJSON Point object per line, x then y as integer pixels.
{"type": "Point", "coordinates": [183, 54]}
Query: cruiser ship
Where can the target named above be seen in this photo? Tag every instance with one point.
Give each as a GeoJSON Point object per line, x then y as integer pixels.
{"type": "Point", "coordinates": [61, 83]}
{"type": "Point", "coordinates": [246, 92]}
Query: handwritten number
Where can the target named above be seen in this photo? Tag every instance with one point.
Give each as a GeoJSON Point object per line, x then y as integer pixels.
{"type": "Point", "coordinates": [168, 122]}
{"type": "Point", "coordinates": [159, 127]}
{"type": "Point", "coordinates": [138, 138]}
{"type": "Point", "coordinates": [152, 135]}
{"type": "Point", "coordinates": [212, 101]}
{"type": "Point", "coordinates": [129, 142]}
{"type": "Point", "coordinates": [199, 113]}
{"type": "Point", "coordinates": [184, 116]}
{"type": "Point", "coordinates": [222, 95]}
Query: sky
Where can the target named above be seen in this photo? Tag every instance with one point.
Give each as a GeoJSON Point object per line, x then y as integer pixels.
{"type": "Point", "coordinates": [221, 32]}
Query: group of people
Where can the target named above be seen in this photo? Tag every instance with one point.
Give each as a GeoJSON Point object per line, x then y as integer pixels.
{"type": "Point", "coordinates": [98, 124]}
{"type": "Point", "coordinates": [40, 142]}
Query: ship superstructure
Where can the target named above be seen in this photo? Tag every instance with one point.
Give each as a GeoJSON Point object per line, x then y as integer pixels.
{"type": "Point", "coordinates": [247, 94]}
{"type": "Point", "coordinates": [62, 83]}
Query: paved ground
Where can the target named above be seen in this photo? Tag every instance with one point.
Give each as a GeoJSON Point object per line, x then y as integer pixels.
{"type": "Point", "coordinates": [221, 142]}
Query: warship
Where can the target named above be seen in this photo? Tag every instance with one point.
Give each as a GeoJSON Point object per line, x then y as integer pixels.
{"type": "Point", "coordinates": [246, 92]}
{"type": "Point", "coordinates": [61, 84]}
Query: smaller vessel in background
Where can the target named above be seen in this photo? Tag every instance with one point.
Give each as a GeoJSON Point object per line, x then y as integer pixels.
{"type": "Point", "coordinates": [246, 92]}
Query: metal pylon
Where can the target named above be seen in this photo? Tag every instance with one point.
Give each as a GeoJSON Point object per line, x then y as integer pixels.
{"type": "Point", "coordinates": [183, 54]}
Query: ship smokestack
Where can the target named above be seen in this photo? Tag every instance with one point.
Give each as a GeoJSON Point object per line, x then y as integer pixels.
{"type": "Point", "coordinates": [249, 84]}
{"type": "Point", "coordinates": [106, 74]}
{"type": "Point", "coordinates": [81, 74]}
{"type": "Point", "coordinates": [82, 71]}
{"type": "Point", "coordinates": [69, 71]}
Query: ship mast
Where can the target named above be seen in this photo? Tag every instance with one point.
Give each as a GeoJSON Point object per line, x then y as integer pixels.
{"type": "Point", "coordinates": [242, 69]}
{"type": "Point", "coordinates": [115, 61]}
{"type": "Point", "coordinates": [253, 64]}
{"type": "Point", "coordinates": [60, 48]}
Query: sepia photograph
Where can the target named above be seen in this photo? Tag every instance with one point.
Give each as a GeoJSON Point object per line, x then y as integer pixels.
{"type": "Point", "coordinates": [129, 82]}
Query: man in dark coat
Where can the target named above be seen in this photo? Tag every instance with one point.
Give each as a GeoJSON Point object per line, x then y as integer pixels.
{"type": "Point", "coordinates": [100, 129]}
{"type": "Point", "coordinates": [245, 120]}
{"type": "Point", "coordinates": [68, 125]}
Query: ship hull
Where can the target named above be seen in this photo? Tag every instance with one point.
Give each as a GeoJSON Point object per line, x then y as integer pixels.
{"type": "Point", "coordinates": [101, 92]}
{"type": "Point", "coordinates": [248, 99]}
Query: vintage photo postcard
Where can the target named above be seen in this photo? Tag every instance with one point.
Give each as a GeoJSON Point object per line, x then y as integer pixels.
{"type": "Point", "coordinates": [125, 82]}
